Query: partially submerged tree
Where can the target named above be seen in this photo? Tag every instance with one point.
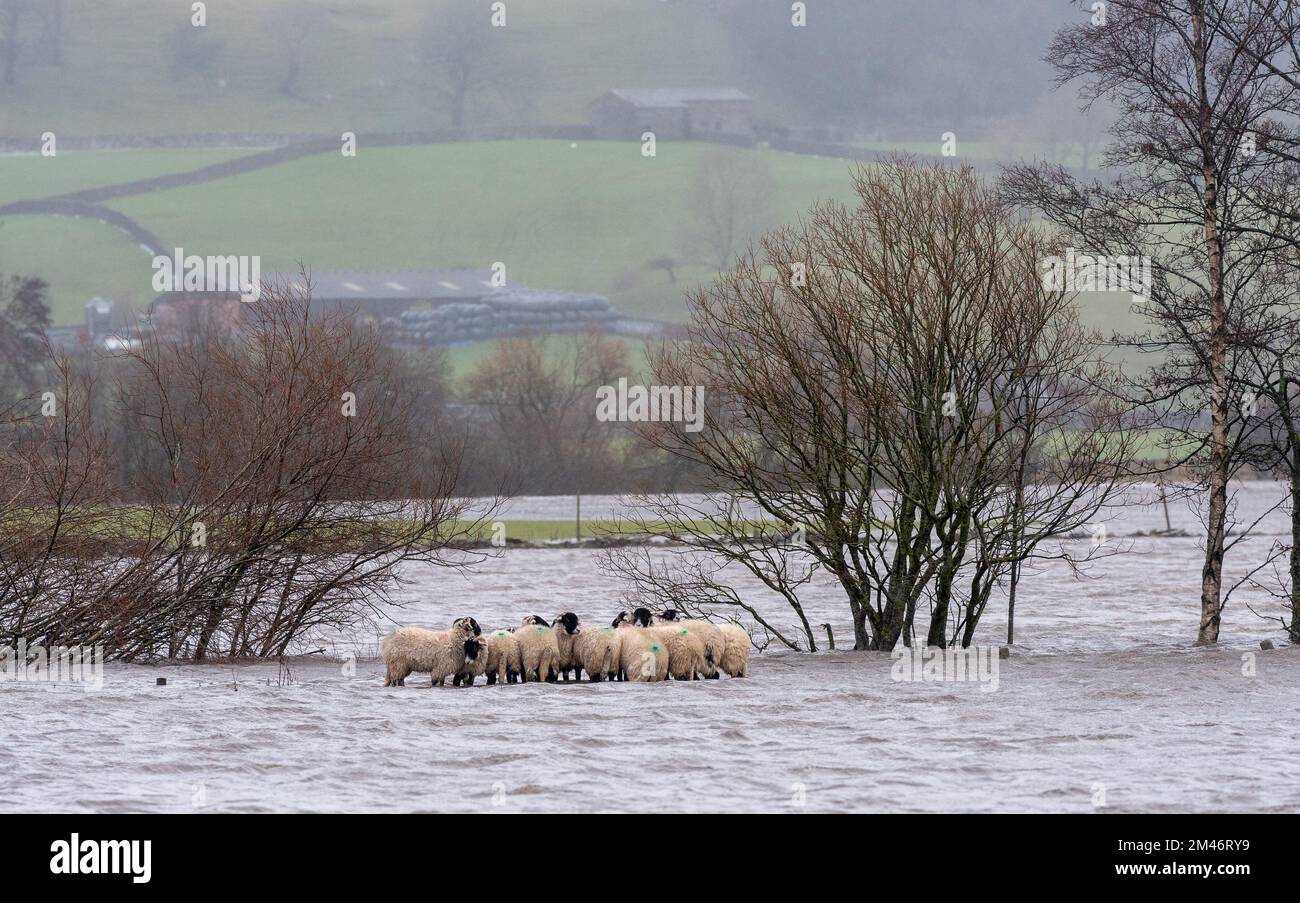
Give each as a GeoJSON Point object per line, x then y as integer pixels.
{"type": "Point", "coordinates": [273, 495]}
{"type": "Point", "coordinates": [876, 375]}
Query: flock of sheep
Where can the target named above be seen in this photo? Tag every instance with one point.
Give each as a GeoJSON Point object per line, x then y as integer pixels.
{"type": "Point", "coordinates": [640, 645]}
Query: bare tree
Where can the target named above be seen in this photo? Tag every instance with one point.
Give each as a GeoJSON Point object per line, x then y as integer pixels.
{"type": "Point", "coordinates": [51, 40]}
{"type": "Point", "coordinates": [729, 203]}
{"type": "Point", "coordinates": [535, 400]}
{"type": "Point", "coordinates": [468, 60]}
{"type": "Point", "coordinates": [193, 50]}
{"type": "Point", "coordinates": [293, 25]}
{"type": "Point", "coordinates": [1187, 103]}
{"type": "Point", "coordinates": [277, 496]}
{"type": "Point", "coordinates": [11, 14]}
{"type": "Point", "coordinates": [876, 375]}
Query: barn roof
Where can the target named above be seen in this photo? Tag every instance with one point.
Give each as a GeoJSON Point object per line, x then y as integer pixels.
{"type": "Point", "coordinates": [676, 97]}
{"type": "Point", "coordinates": [419, 285]}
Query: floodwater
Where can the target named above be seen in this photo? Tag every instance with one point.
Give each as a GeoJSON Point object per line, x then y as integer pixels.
{"type": "Point", "coordinates": [1103, 705]}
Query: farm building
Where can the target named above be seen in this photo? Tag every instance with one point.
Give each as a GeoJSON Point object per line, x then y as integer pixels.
{"type": "Point", "coordinates": [420, 309]}
{"type": "Point", "coordinates": [385, 294]}
{"type": "Point", "coordinates": [670, 113]}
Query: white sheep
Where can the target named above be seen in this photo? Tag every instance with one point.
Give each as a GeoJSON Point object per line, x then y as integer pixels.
{"type": "Point", "coordinates": [643, 655]}
{"type": "Point", "coordinates": [439, 653]}
{"type": "Point", "coordinates": [708, 632]}
{"type": "Point", "coordinates": [601, 652]}
{"type": "Point", "coordinates": [686, 658]}
{"type": "Point", "coordinates": [505, 662]}
{"type": "Point", "coordinates": [539, 648]}
{"type": "Point", "coordinates": [735, 657]}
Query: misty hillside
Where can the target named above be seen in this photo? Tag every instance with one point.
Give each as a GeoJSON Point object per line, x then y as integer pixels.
{"type": "Point", "coordinates": [134, 91]}
{"type": "Point", "coordinates": [87, 67]}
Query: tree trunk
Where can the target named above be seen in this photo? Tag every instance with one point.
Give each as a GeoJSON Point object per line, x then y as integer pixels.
{"type": "Point", "coordinates": [861, 636]}
{"type": "Point", "coordinates": [1293, 629]}
{"type": "Point", "coordinates": [11, 44]}
{"type": "Point", "coordinates": [1212, 570]}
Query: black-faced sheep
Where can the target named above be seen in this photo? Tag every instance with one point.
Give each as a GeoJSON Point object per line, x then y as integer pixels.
{"type": "Point", "coordinates": [707, 631]}
{"type": "Point", "coordinates": [591, 649]}
{"type": "Point", "coordinates": [438, 653]}
{"type": "Point", "coordinates": [686, 651]}
{"type": "Point", "coordinates": [566, 633]}
{"type": "Point", "coordinates": [643, 656]}
{"type": "Point", "coordinates": [476, 660]}
{"type": "Point", "coordinates": [539, 648]}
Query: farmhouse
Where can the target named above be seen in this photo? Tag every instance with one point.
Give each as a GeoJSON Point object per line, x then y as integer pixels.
{"type": "Point", "coordinates": [670, 113]}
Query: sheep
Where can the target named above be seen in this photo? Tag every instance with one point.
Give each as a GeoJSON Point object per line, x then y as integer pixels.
{"type": "Point", "coordinates": [600, 652]}
{"type": "Point", "coordinates": [643, 655]}
{"type": "Point", "coordinates": [686, 658]}
{"type": "Point", "coordinates": [539, 648]}
{"type": "Point", "coordinates": [595, 651]}
{"type": "Point", "coordinates": [707, 631]}
{"type": "Point", "coordinates": [439, 653]}
{"type": "Point", "coordinates": [566, 633]}
{"type": "Point", "coordinates": [476, 661]}
{"type": "Point", "coordinates": [504, 660]}
{"type": "Point", "coordinates": [735, 658]}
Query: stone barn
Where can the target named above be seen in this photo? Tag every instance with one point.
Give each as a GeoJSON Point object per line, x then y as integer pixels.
{"type": "Point", "coordinates": [624, 114]}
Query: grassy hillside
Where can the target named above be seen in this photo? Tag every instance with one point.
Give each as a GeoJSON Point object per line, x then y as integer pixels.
{"type": "Point", "coordinates": [363, 65]}
{"type": "Point", "coordinates": [586, 217]}
{"type": "Point", "coordinates": [79, 258]}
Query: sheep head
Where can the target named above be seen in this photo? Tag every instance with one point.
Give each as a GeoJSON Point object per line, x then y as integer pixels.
{"type": "Point", "coordinates": [474, 648]}
{"type": "Point", "coordinates": [568, 620]}
{"type": "Point", "coordinates": [467, 626]}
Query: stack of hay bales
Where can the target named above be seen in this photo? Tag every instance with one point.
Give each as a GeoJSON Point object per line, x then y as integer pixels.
{"type": "Point", "coordinates": [504, 312]}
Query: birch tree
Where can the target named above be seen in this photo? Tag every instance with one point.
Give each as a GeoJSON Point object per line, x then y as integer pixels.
{"type": "Point", "coordinates": [1190, 105]}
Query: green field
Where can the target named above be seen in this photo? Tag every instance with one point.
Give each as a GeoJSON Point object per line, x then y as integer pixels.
{"type": "Point", "coordinates": [584, 217]}
{"type": "Point", "coordinates": [31, 176]}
